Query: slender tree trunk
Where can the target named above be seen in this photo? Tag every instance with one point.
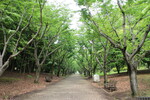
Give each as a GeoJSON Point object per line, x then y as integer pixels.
{"type": "Point", "coordinates": [94, 69]}
{"type": "Point", "coordinates": [132, 70]}
{"type": "Point", "coordinates": [84, 73]}
{"type": "Point", "coordinates": [105, 76]}
{"type": "Point", "coordinates": [58, 73]}
{"type": "Point", "coordinates": [37, 74]}
{"type": "Point", "coordinates": [52, 70]}
{"type": "Point", "coordinates": [29, 66]}
{"type": "Point", "coordinates": [4, 67]}
{"type": "Point", "coordinates": [63, 72]}
{"type": "Point", "coordinates": [118, 69]}
{"type": "Point", "coordinates": [89, 74]}
{"type": "Point", "coordinates": [12, 65]}
{"type": "Point", "coordinates": [104, 65]}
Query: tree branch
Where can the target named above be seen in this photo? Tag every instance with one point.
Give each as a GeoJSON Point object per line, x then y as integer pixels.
{"type": "Point", "coordinates": [107, 37]}
{"type": "Point", "coordinates": [22, 32]}
{"type": "Point", "coordinates": [141, 43]}
{"type": "Point", "coordinates": [8, 40]}
{"type": "Point", "coordinates": [124, 22]}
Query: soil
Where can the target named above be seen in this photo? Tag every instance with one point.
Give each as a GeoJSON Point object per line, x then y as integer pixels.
{"type": "Point", "coordinates": [24, 84]}
{"type": "Point", "coordinates": [123, 86]}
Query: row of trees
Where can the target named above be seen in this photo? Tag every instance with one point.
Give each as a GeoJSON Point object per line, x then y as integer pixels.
{"type": "Point", "coordinates": [35, 37]}
{"type": "Point", "coordinates": [118, 31]}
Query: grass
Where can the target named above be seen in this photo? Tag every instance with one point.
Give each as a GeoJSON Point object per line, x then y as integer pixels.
{"type": "Point", "coordinates": [29, 76]}
{"type": "Point", "coordinates": [121, 71]}
{"type": "Point", "coordinates": [110, 73]}
{"type": "Point", "coordinates": [8, 79]}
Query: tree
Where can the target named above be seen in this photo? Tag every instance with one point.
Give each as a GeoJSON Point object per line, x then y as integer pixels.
{"type": "Point", "coordinates": [55, 27]}
{"type": "Point", "coordinates": [126, 25]}
{"type": "Point", "coordinates": [14, 35]}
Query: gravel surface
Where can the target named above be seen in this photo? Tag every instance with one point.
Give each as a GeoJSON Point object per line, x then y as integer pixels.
{"type": "Point", "coordinates": [73, 87]}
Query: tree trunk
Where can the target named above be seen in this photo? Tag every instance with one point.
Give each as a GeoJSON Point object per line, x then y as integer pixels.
{"type": "Point", "coordinates": [63, 72]}
{"type": "Point", "coordinates": [132, 70]}
{"type": "Point", "coordinates": [58, 73]}
{"type": "Point", "coordinates": [52, 70]}
{"type": "Point", "coordinates": [105, 76]}
{"type": "Point", "coordinates": [104, 65]}
{"type": "Point", "coordinates": [94, 69]}
{"type": "Point", "coordinates": [118, 69]}
{"type": "Point", "coordinates": [84, 72]}
{"type": "Point", "coordinates": [89, 74]}
{"type": "Point", "coordinates": [4, 67]}
{"type": "Point", "coordinates": [37, 74]}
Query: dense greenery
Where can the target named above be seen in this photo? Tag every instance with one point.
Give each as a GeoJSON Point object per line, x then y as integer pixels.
{"type": "Point", "coordinates": [36, 37]}
{"type": "Point", "coordinates": [114, 37]}
{"type": "Point", "coordinates": [125, 25]}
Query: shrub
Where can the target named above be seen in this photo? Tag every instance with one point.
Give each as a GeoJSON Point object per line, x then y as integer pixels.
{"type": "Point", "coordinates": [114, 69]}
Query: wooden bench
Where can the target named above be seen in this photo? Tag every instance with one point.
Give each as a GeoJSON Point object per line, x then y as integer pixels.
{"type": "Point", "coordinates": [111, 85]}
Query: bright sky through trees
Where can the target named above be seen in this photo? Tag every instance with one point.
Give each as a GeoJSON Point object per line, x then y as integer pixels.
{"type": "Point", "coordinates": [70, 4]}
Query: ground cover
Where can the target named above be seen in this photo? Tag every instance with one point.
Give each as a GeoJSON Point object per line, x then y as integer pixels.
{"type": "Point", "coordinates": [13, 84]}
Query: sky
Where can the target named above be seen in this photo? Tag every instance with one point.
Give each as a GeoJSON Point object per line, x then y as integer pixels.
{"type": "Point", "coordinates": [72, 5]}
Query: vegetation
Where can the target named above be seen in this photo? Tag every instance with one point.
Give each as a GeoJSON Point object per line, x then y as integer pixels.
{"type": "Point", "coordinates": [123, 26]}
{"type": "Point", "coordinates": [35, 37]}
{"type": "Point", "coordinates": [8, 80]}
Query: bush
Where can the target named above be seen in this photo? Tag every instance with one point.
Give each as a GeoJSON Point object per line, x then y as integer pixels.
{"type": "Point", "coordinates": [114, 69]}
{"type": "Point", "coordinates": [124, 69]}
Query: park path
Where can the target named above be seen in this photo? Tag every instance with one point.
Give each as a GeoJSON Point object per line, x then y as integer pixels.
{"type": "Point", "coordinates": [73, 87]}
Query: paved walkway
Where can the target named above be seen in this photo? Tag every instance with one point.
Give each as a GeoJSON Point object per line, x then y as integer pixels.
{"type": "Point", "coordinates": [71, 88]}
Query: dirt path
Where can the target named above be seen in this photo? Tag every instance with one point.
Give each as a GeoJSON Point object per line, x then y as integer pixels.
{"type": "Point", "coordinates": [71, 88]}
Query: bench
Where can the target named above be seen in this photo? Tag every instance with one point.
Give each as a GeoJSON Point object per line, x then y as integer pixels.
{"type": "Point", "coordinates": [111, 85]}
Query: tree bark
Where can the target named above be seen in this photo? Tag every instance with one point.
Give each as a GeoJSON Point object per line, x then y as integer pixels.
{"type": "Point", "coordinates": [37, 74]}
{"type": "Point", "coordinates": [58, 73]}
{"type": "Point", "coordinates": [118, 69]}
{"type": "Point", "coordinates": [4, 67]}
{"type": "Point", "coordinates": [104, 65]}
{"type": "Point", "coordinates": [132, 70]}
{"type": "Point", "coordinates": [105, 76]}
